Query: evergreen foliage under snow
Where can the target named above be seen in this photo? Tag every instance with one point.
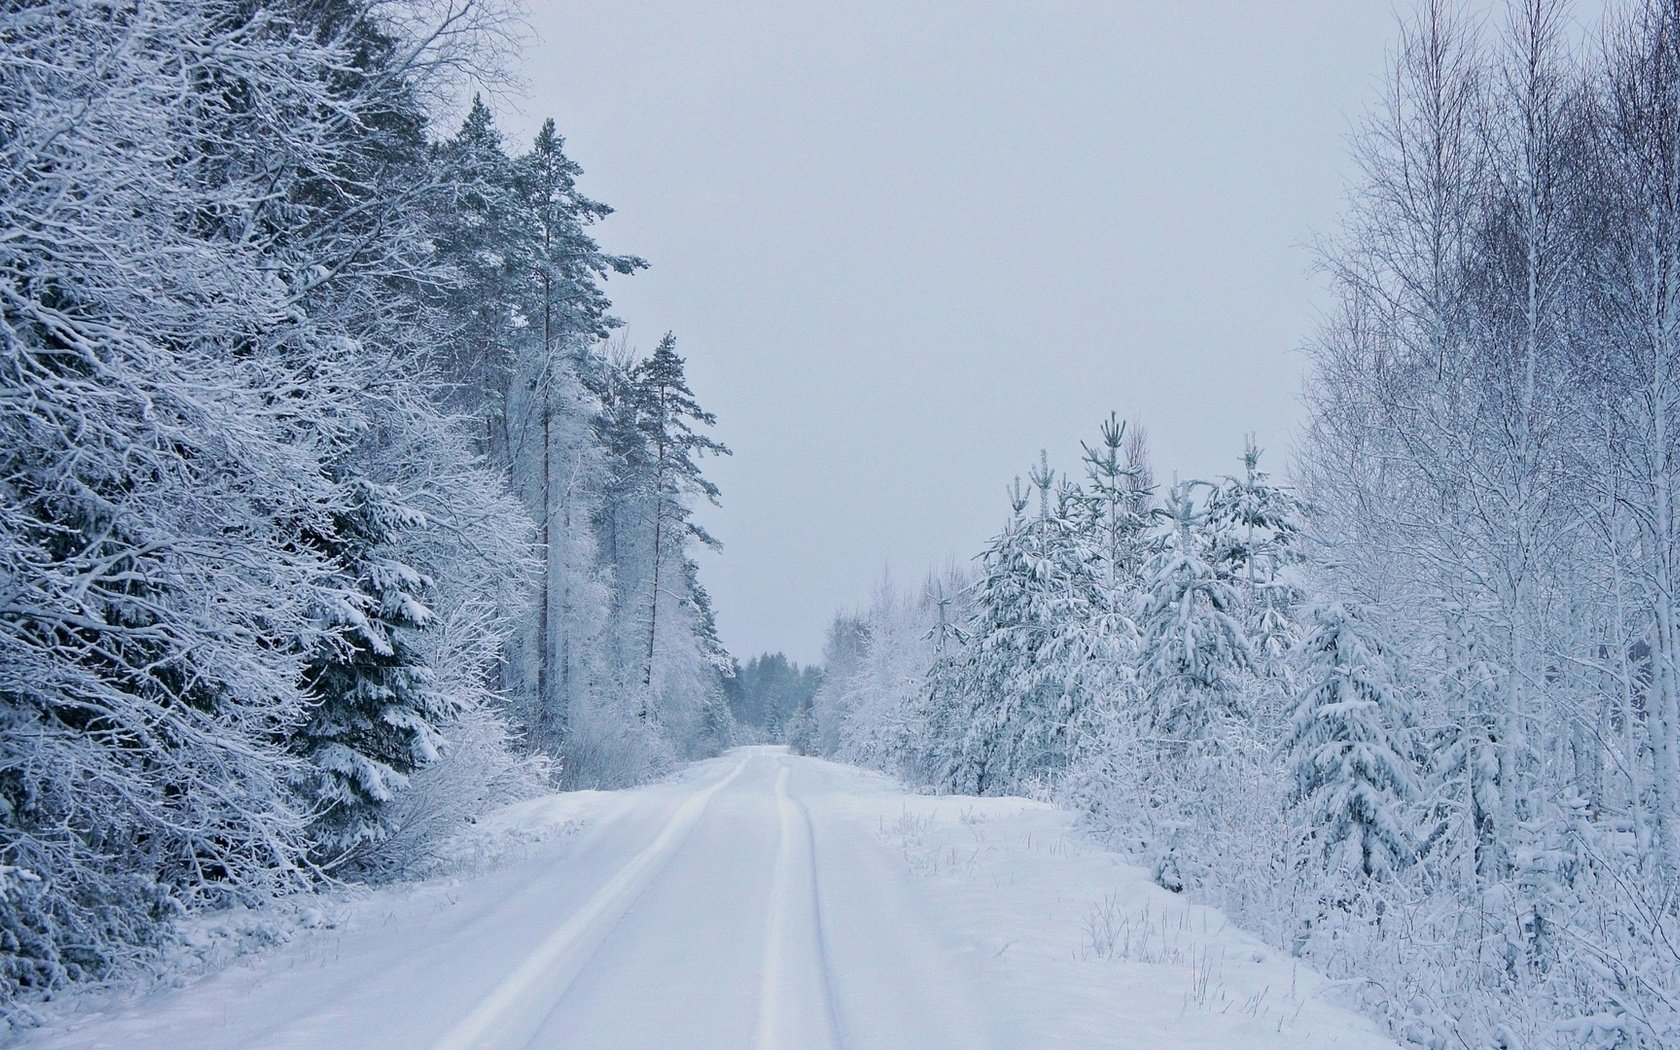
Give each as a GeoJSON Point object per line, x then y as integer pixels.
{"type": "Point", "coordinates": [304, 457]}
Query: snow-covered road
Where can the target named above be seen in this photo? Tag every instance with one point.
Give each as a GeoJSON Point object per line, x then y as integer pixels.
{"type": "Point", "coordinates": [760, 900]}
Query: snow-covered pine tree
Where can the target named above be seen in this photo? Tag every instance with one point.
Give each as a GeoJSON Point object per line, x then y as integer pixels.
{"type": "Point", "coordinates": [1194, 650]}
{"type": "Point", "coordinates": [1345, 747]}
{"type": "Point", "coordinates": [977, 690]}
{"type": "Point", "coordinates": [567, 266]}
{"type": "Point", "coordinates": [1251, 535]}
{"type": "Point", "coordinates": [670, 418]}
{"type": "Point", "coordinates": [629, 745]}
{"type": "Point", "coordinates": [1113, 514]}
{"type": "Point", "coordinates": [562, 422]}
{"type": "Point", "coordinates": [561, 647]}
{"type": "Point", "coordinates": [713, 729]}
{"type": "Point", "coordinates": [663, 661]}
{"type": "Point", "coordinates": [484, 241]}
{"type": "Point", "coordinates": [1114, 526]}
{"type": "Point", "coordinates": [1251, 525]}
{"type": "Point", "coordinates": [1189, 754]}
{"type": "Point", "coordinates": [936, 711]}
{"type": "Point", "coordinates": [1028, 645]}
{"type": "Point", "coordinates": [564, 308]}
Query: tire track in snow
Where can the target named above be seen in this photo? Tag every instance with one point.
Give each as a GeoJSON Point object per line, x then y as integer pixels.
{"type": "Point", "coordinates": [898, 980]}
{"type": "Point", "coordinates": [506, 1016]}
{"type": "Point", "coordinates": [796, 1005]}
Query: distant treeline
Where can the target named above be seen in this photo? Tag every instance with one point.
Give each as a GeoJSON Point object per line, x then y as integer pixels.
{"type": "Point", "coordinates": [772, 695]}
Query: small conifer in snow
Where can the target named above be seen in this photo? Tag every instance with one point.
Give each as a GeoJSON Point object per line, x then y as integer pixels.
{"type": "Point", "coordinates": [1194, 648]}
{"type": "Point", "coordinates": [1342, 745]}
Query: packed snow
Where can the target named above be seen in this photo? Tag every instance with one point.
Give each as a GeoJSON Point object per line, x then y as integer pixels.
{"type": "Point", "coordinates": [758, 899]}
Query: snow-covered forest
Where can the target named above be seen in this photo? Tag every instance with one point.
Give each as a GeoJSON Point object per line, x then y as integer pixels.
{"type": "Point", "coordinates": [1412, 717]}
{"type": "Point", "coordinates": [338, 511]}
{"type": "Point", "coordinates": [330, 516]}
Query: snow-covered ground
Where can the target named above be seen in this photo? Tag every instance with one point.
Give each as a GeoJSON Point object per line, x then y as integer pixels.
{"type": "Point", "coordinates": [758, 900]}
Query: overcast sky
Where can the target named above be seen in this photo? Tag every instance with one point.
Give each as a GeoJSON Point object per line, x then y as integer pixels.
{"type": "Point", "coordinates": [905, 245]}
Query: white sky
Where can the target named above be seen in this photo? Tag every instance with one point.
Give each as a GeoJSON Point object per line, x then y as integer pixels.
{"type": "Point", "coordinates": [905, 245]}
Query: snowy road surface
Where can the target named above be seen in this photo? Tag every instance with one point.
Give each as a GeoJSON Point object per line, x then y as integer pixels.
{"type": "Point", "coordinates": [759, 900]}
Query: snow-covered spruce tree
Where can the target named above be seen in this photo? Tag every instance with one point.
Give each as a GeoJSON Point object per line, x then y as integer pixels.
{"type": "Point", "coordinates": [471, 541]}
{"type": "Point", "coordinates": [1345, 749]}
{"type": "Point", "coordinates": [374, 707]}
{"type": "Point", "coordinates": [1028, 642]}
